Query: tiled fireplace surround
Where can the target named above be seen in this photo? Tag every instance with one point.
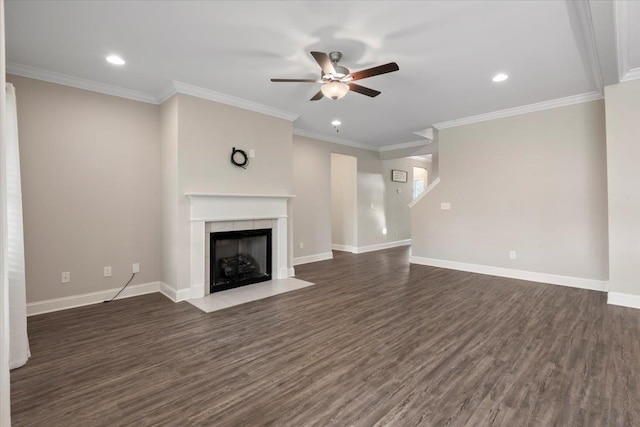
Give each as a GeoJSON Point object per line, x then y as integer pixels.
{"type": "Point", "coordinates": [210, 213]}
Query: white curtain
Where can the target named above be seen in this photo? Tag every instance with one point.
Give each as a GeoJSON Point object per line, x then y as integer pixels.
{"type": "Point", "coordinates": [5, 399]}
{"type": "Point", "coordinates": [19, 343]}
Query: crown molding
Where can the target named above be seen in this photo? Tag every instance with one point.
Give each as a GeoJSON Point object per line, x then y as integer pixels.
{"type": "Point", "coordinates": [210, 95]}
{"type": "Point", "coordinates": [412, 144]}
{"type": "Point", "coordinates": [90, 85]}
{"type": "Point", "coordinates": [333, 139]}
{"type": "Point", "coordinates": [582, 11]}
{"type": "Point", "coordinates": [631, 75]}
{"type": "Point", "coordinates": [621, 22]}
{"type": "Point", "coordinates": [509, 112]}
{"type": "Point", "coordinates": [166, 93]}
{"type": "Point", "coordinates": [425, 158]}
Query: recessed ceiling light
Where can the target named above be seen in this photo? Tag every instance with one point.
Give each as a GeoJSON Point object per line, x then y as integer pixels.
{"type": "Point", "coordinates": [336, 123]}
{"type": "Point", "coordinates": [115, 60]}
{"type": "Point", "coordinates": [500, 77]}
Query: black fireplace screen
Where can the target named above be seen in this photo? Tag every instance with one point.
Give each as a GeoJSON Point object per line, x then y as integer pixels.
{"type": "Point", "coordinates": [239, 258]}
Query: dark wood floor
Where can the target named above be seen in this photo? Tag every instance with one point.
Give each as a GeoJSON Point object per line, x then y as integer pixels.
{"type": "Point", "coordinates": [376, 342]}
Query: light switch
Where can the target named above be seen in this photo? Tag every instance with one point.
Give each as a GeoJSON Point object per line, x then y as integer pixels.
{"type": "Point", "coordinates": [445, 206]}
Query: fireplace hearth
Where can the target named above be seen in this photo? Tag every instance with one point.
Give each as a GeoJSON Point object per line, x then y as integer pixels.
{"type": "Point", "coordinates": [239, 258]}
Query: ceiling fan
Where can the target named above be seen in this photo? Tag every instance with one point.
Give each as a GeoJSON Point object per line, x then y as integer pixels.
{"type": "Point", "coordinates": [337, 80]}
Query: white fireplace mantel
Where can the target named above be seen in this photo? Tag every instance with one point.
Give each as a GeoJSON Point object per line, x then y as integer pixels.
{"type": "Point", "coordinates": [216, 207]}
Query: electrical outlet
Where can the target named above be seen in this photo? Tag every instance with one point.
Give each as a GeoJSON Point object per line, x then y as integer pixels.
{"type": "Point", "coordinates": [512, 254]}
{"type": "Point", "coordinates": [136, 267]}
{"type": "Point", "coordinates": [107, 272]}
{"type": "Point", "coordinates": [66, 277]}
{"type": "Point", "coordinates": [301, 245]}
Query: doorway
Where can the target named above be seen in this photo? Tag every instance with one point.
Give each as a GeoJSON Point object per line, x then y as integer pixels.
{"type": "Point", "coordinates": [420, 181]}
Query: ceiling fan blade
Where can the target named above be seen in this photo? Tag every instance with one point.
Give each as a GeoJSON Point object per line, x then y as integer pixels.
{"type": "Point", "coordinates": [325, 63]}
{"type": "Point", "coordinates": [317, 96]}
{"type": "Point", "coordinates": [294, 80]}
{"type": "Point", "coordinates": [375, 71]}
{"type": "Point", "coordinates": [364, 90]}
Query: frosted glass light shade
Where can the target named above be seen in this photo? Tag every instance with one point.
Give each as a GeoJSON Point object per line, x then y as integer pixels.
{"type": "Point", "coordinates": [334, 90]}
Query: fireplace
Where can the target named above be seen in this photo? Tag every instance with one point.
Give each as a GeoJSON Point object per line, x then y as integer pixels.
{"type": "Point", "coordinates": [239, 258]}
{"type": "Point", "coordinates": [215, 212]}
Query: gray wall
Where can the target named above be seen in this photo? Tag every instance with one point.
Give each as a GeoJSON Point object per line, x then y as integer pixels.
{"type": "Point", "coordinates": [91, 188]}
{"type": "Point", "coordinates": [312, 205]}
{"type": "Point", "coordinates": [623, 154]}
{"type": "Point", "coordinates": [534, 183]}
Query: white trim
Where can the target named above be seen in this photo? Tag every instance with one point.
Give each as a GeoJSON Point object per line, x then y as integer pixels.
{"type": "Point", "coordinates": [356, 144]}
{"type": "Point", "coordinates": [172, 294]}
{"type": "Point", "coordinates": [333, 139]}
{"type": "Point", "coordinates": [425, 133]}
{"type": "Point", "coordinates": [631, 75]}
{"type": "Point", "coordinates": [167, 291]}
{"type": "Point", "coordinates": [236, 218]}
{"type": "Point", "coordinates": [211, 95]}
{"type": "Point", "coordinates": [430, 187]}
{"type": "Point", "coordinates": [90, 85]}
{"type": "Point", "coordinates": [554, 279]}
{"type": "Point", "coordinates": [56, 304]}
{"type": "Point", "coordinates": [271, 196]}
{"type": "Point", "coordinates": [582, 11]}
{"type": "Point", "coordinates": [344, 248]}
{"type": "Point", "coordinates": [421, 158]}
{"type": "Point", "coordinates": [509, 112]}
{"type": "Point", "coordinates": [413, 144]}
{"type": "Point", "coordinates": [312, 258]}
{"type": "Point", "coordinates": [166, 93]}
{"type": "Point", "coordinates": [380, 246]}
{"type": "Point", "coordinates": [621, 23]}
{"type": "Point", "coordinates": [292, 272]}
{"type": "Point", "coordinates": [623, 300]}
{"type": "Point", "coordinates": [183, 295]}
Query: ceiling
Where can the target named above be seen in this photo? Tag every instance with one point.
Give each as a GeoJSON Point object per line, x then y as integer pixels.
{"type": "Point", "coordinates": [447, 51]}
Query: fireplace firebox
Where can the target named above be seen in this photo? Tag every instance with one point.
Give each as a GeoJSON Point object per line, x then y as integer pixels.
{"type": "Point", "coordinates": [239, 258]}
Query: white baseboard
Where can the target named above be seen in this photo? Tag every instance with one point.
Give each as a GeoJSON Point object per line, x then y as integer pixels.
{"type": "Point", "coordinates": [47, 306]}
{"type": "Point", "coordinates": [380, 246]}
{"type": "Point", "coordinates": [344, 248]}
{"type": "Point", "coordinates": [624, 300]}
{"type": "Point", "coordinates": [553, 279]}
{"type": "Point", "coordinates": [312, 258]}
{"type": "Point", "coordinates": [172, 294]}
{"type": "Point", "coordinates": [292, 272]}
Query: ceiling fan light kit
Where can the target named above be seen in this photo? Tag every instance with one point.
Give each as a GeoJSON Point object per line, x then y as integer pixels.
{"type": "Point", "coordinates": [334, 90]}
{"type": "Point", "coordinates": [337, 80]}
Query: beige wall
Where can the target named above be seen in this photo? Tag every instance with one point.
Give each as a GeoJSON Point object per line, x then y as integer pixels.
{"type": "Point", "coordinates": [344, 200]}
{"type": "Point", "coordinates": [534, 183]}
{"type": "Point", "coordinates": [91, 188]}
{"type": "Point", "coordinates": [169, 189]}
{"type": "Point", "coordinates": [312, 205]}
{"type": "Point", "coordinates": [197, 145]}
{"type": "Point", "coordinates": [623, 156]}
